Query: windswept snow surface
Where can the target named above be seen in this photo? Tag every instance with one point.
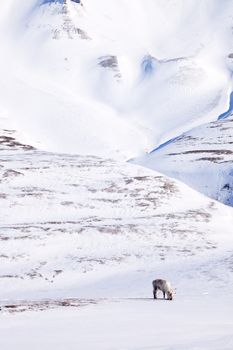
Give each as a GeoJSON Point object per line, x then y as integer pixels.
{"type": "Point", "coordinates": [137, 324]}
{"type": "Point", "coordinates": [108, 90]}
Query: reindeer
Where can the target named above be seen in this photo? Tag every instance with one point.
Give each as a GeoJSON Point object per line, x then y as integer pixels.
{"type": "Point", "coordinates": [164, 286]}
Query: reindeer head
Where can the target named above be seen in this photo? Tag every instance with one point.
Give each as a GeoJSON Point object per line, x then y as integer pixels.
{"type": "Point", "coordinates": [170, 295]}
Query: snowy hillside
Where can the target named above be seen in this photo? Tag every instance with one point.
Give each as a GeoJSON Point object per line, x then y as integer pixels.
{"type": "Point", "coordinates": [202, 158]}
{"type": "Point", "coordinates": [111, 91]}
{"type": "Point", "coordinates": [83, 237]}
{"type": "Point", "coordinates": [66, 220]}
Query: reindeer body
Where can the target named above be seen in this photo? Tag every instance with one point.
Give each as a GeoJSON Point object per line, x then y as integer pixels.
{"type": "Point", "coordinates": [164, 286]}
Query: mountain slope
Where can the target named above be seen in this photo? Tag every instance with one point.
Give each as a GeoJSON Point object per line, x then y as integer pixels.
{"type": "Point", "coordinates": [108, 90]}
{"type": "Point", "coordinates": [201, 158]}
{"type": "Point", "coordinates": [66, 220]}
{"type": "Point", "coordinates": [82, 238]}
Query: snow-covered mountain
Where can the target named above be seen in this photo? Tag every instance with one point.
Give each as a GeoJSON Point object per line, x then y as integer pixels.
{"type": "Point", "coordinates": [202, 158]}
{"type": "Point", "coordinates": [66, 220]}
{"type": "Point", "coordinates": [86, 85]}
{"type": "Point", "coordinates": [117, 78]}
{"type": "Point", "coordinates": [87, 232]}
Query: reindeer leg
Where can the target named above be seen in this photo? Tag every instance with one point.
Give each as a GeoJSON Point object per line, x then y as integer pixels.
{"type": "Point", "coordinates": [155, 293]}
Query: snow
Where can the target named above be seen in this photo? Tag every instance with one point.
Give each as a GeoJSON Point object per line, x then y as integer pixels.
{"type": "Point", "coordinates": [83, 88]}
{"type": "Point", "coordinates": [87, 216]}
{"type": "Point", "coordinates": [136, 324]}
{"type": "Point", "coordinates": [83, 237]}
{"type": "Point", "coordinates": [201, 158]}
{"type": "Point", "coordinates": [117, 111]}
